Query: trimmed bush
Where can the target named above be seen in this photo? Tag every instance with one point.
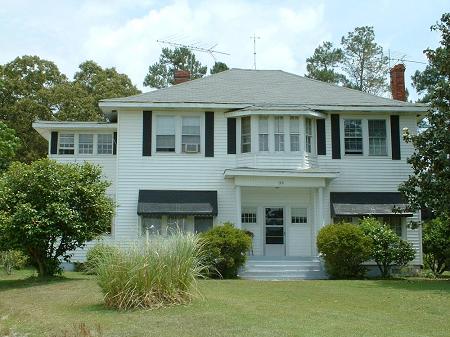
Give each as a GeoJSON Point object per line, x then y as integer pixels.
{"type": "Point", "coordinates": [436, 245]}
{"type": "Point", "coordinates": [387, 248]}
{"type": "Point", "coordinates": [226, 248]}
{"type": "Point", "coordinates": [344, 248]}
{"type": "Point", "coordinates": [12, 259]}
{"type": "Point", "coordinates": [159, 273]}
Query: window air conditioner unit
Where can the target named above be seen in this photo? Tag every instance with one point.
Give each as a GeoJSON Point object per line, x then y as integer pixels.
{"type": "Point", "coordinates": [191, 148]}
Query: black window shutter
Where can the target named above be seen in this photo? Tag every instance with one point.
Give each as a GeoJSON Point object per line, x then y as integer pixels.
{"type": "Point", "coordinates": [115, 143]}
{"type": "Point", "coordinates": [54, 142]}
{"type": "Point", "coordinates": [335, 137]}
{"type": "Point", "coordinates": [146, 133]}
{"type": "Point", "coordinates": [209, 134]}
{"type": "Point", "coordinates": [395, 137]}
{"type": "Point", "coordinates": [231, 135]}
{"type": "Point", "coordinates": [321, 145]}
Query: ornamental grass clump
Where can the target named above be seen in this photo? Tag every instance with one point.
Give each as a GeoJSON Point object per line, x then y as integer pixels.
{"type": "Point", "coordinates": [158, 273]}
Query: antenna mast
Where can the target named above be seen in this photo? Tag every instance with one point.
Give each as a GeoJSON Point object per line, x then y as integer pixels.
{"type": "Point", "coordinates": [210, 50]}
{"type": "Point", "coordinates": [254, 37]}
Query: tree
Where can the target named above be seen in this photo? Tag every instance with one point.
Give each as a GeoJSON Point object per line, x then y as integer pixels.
{"type": "Point", "coordinates": [48, 209]}
{"type": "Point", "coordinates": [364, 62]}
{"type": "Point", "coordinates": [436, 245]}
{"type": "Point", "coordinates": [218, 67]}
{"type": "Point", "coordinates": [388, 248]}
{"type": "Point", "coordinates": [161, 73]}
{"type": "Point", "coordinates": [8, 146]}
{"type": "Point", "coordinates": [323, 64]}
{"type": "Point", "coordinates": [429, 185]}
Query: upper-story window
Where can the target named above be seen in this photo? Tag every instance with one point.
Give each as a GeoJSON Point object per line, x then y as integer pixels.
{"type": "Point", "coordinates": [85, 143]}
{"type": "Point", "coordinates": [263, 133]}
{"type": "Point", "coordinates": [190, 139]}
{"type": "Point", "coordinates": [66, 143]}
{"type": "Point", "coordinates": [165, 134]}
{"type": "Point", "coordinates": [105, 143]}
{"type": "Point", "coordinates": [279, 133]}
{"type": "Point", "coordinates": [308, 135]}
{"type": "Point", "coordinates": [294, 130]}
{"type": "Point", "coordinates": [246, 139]}
{"type": "Point", "coordinates": [377, 137]}
{"type": "Point", "coordinates": [353, 136]}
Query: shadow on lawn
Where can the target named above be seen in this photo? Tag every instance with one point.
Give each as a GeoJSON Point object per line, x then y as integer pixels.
{"type": "Point", "coordinates": [32, 281]}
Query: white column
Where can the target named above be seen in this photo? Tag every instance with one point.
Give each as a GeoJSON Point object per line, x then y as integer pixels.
{"type": "Point", "coordinates": [238, 206]}
{"type": "Point", "coordinates": [319, 220]}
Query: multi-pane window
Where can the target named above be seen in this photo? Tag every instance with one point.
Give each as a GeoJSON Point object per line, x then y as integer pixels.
{"type": "Point", "coordinates": [151, 225]}
{"type": "Point", "coordinates": [377, 137]}
{"type": "Point", "coordinates": [248, 215]}
{"type": "Point", "coordinates": [279, 133]}
{"type": "Point", "coordinates": [299, 215]}
{"type": "Point", "coordinates": [294, 131]}
{"type": "Point", "coordinates": [202, 224]}
{"type": "Point", "coordinates": [394, 223]}
{"type": "Point", "coordinates": [105, 143]}
{"type": "Point", "coordinates": [190, 139]}
{"type": "Point", "coordinates": [308, 135]}
{"type": "Point", "coordinates": [165, 134]}
{"type": "Point", "coordinates": [175, 224]}
{"type": "Point", "coordinates": [353, 136]}
{"type": "Point", "coordinates": [66, 143]}
{"type": "Point", "coordinates": [263, 133]}
{"type": "Point", "coordinates": [246, 139]}
{"type": "Point", "coordinates": [85, 143]}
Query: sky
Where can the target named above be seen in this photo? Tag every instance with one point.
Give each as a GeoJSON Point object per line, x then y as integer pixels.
{"type": "Point", "coordinates": [124, 33]}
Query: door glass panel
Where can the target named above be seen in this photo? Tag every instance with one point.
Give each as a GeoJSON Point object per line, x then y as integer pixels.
{"type": "Point", "coordinates": [274, 226]}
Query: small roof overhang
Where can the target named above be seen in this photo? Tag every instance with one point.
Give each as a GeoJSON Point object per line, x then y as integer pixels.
{"type": "Point", "coordinates": [44, 128]}
{"type": "Point", "coordinates": [368, 204]}
{"type": "Point", "coordinates": [176, 202]}
{"type": "Point", "coordinates": [294, 110]}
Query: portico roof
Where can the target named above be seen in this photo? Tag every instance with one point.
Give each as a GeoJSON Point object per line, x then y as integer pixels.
{"type": "Point", "coordinates": [258, 172]}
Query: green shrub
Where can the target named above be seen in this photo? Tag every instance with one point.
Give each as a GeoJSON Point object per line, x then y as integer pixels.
{"type": "Point", "coordinates": [436, 245]}
{"type": "Point", "coordinates": [93, 255]}
{"type": "Point", "coordinates": [344, 248]}
{"type": "Point", "coordinates": [12, 259]}
{"type": "Point", "coordinates": [159, 273]}
{"type": "Point", "coordinates": [226, 248]}
{"type": "Point", "coordinates": [387, 248]}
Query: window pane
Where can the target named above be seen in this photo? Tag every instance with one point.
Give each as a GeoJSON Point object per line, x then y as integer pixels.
{"type": "Point", "coordinates": [165, 143]}
{"type": "Point", "coordinates": [299, 215]}
{"type": "Point", "coordinates": [353, 141]}
{"type": "Point", "coordinates": [263, 124]}
{"type": "Point", "coordinates": [190, 140]}
{"type": "Point", "coordinates": [245, 135]}
{"type": "Point", "coordinates": [308, 135]}
{"type": "Point", "coordinates": [394, 223]}
{"type": "Point", "coordinates": [279, 142]}
{"type": "Point", "coordinates": [175, 224]}
{"type": "Point", "coordinates": [279, 124]}
{"type": "Point", "coordinates": [85, 144]}
{"type": "Point", "coordinates": [377, 138]}
{"type": "Point", "coordinates": [165, 134]}
{"type": "Point", "coordinates": [295, 142]}
{"type": "Point", "coordinates": [248, 215]}
{"type": "Point", "coordinates": [151, 225]}
{"type": "Point", "coordinates": [202, 224]}
{"type": "Point", "coordinates": [66, 143]}
{"type": "Point", "coordinates": [105, 144]}
{"type": "Point", "coordinates": [279, 133]}
{"type": "Point", "coordinates": [352, 128]}
{"type": "Point", "coordinates": [263, 142]}
{"type": "Point", "coordinates": [294, 124]}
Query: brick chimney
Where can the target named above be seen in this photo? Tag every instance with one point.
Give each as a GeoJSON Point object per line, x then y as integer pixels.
{"type": "Point", "coordinates": [398, 82]}
{"type": "Point", "coordinates": [181, 76]}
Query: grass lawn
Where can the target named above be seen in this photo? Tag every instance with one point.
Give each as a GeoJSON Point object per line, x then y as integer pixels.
{"type": "Point", "coordinates": [234, 308]}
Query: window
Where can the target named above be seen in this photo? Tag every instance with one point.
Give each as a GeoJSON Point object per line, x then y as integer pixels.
{"type": "Point", "coordinates": [299, 215]}
{"type": "Point", "coordinates": [105, 143]}
{"type": "Point", "coordinates": [377, 137]}
{"type": "Point", "coordinates": [294, 130]}
{"type": "Point", "coordinates": [202, 224]}
{"type": "Point", "coordinates": [66, 143]}
{"type": "Point", "coordinates": [246, 141]}
{"type": "Point", "coordinates": [394, 223]}
{"type": "Point", "coordinates": [190, 139]}
{"type": "Point", "coordinates": [353, 141]}
{"type": "Point", "coordinates": [340, 219]}
{"type": "Point", "coordinates": [151, 225]}
{"type": "Point", "coordinates": [308, 135]}
{"type": "Point", "coordinates": [279, 133]}
{"type": "Point", "coordinates": [175, 224]}
{"type": "Point", "coordinates": [85, 144]}
{"type": "Point", "coordinates": [165, 134]}
{"type": "Point", "coordinates": [263, 133]}
{"type": "Point", "coordinates": [248, 215]}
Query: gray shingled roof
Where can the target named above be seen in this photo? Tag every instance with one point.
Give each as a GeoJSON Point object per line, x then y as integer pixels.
{"type": "Point", "coordinates": [260, 87]}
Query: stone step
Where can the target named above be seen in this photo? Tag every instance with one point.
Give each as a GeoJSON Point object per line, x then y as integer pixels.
{"type": "Point", "coordinates": [282, 269]}
{"type": "Point", "coordinates": [274, 264]}
{"type": "Point", "coordinates": [278, 277]}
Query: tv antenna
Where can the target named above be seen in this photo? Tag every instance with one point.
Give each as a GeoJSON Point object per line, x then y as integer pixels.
{"type": "Point", "coordinates": [254, 37]}
{"type": "Point", "coordinates": [211, 51]}
{"type": "Point", "coordinates": [402, 59]}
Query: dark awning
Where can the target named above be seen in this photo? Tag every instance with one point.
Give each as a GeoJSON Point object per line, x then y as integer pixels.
{"type": "Point", "coordinates": [368, 203]}
{"type": "Point", "coordinates": [167, 202]}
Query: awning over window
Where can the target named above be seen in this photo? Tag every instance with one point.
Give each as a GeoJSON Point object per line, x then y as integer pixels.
{"type": "Point", "coordinates": [166, 202]}
{"type": "Point", "coordinates": [368, 203]}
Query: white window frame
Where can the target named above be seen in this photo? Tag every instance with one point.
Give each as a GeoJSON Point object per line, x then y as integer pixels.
{"type": "Point", "coordinates": [249, 135]}
{"type": "Point", "coordinates": [97, 144]}
{"type": "Point", "coordinates": [282, 134]}
{"type": "Point", "coordinates": [265, 133]}
{"type": "Point", "coordinates": [91, 144]}
{"type": "Point", "coordinates": [296, 133]}
{"type": "Point", "coordinates": [74, 143]}
{"type": "Point", "coordinates": [249, 215]}
{"type": "Point", "coordinates": [354, 137]}
{"type": "Point", "coordinates": [309, 136]}
{"type": "Point", "coordinates": [183, 147]}
{"type": "Point", "coordinates": [385, 137]}
{"type": "Point", "coordinates": [160, 134]}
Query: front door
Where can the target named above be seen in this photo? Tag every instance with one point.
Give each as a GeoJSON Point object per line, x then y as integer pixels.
{"type": "Point", "coordinates": [274, 231]}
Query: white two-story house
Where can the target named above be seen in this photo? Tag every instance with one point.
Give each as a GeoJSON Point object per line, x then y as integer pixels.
{"type": "Point", "coordinates": [272, 152]}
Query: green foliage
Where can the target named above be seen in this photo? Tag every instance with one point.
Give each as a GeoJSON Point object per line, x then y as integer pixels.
{"type": "Point", "coordinates": [387, 248]}
{"type": "Point", "coordinates": [218, 67]}
{"type": "Point", "coordinates": [161, 73]}
{"type": "Point", "coordinates": [12, 259]}
{"type": "Point", "coordinates": [227, 249]}
{"type": "Point", "coordinates": [429, 185]}
{"type": "Point", "coordinates": [48, 209]}
{"type": "Point", "coordinates": [8, 145]}
{"type": "Point", "coordinates": [344, 248]}
{"type": "Point", "coordinates": [436, 245]}
{"type": "Point", "coordinates": [159, 273]}
{"type": "Point", "coordinates": [323, 64]}
{"type": "Point", "coordinates": [94, 255]}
